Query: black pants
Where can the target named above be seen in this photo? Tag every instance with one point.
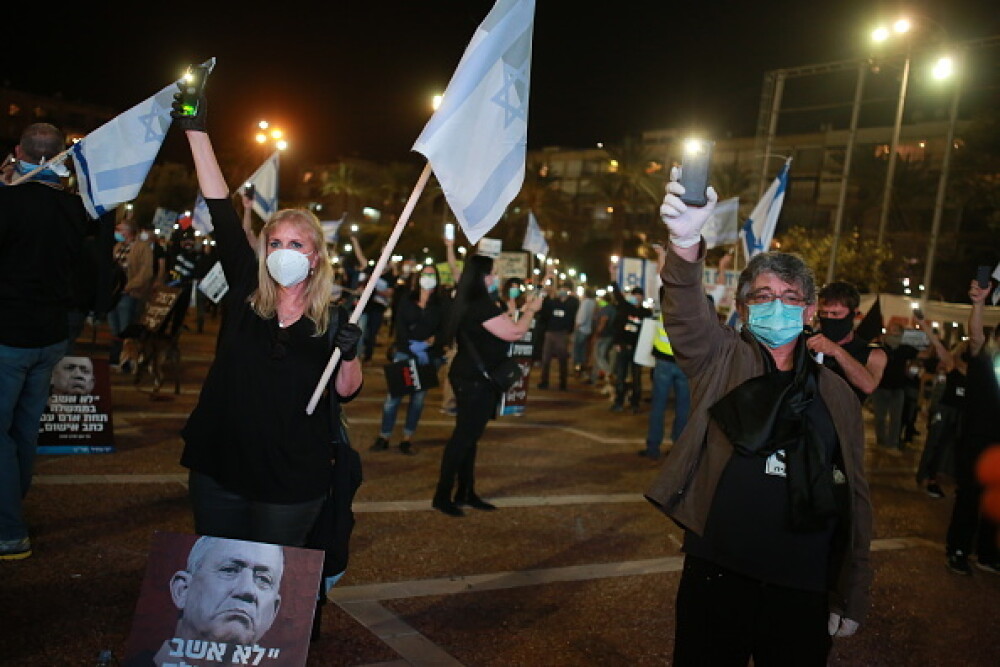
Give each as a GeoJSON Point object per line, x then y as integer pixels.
{"type": "Point", "coordinates": [221, 513]}
{"type": "Point", "coordinates": [556, 345]}
{"type": "Point", "coordinates": [628, 377]}
{"type": "Point", "coordinates": [476, 404]}
{"type": "Point", "coordinates": [724, 619]}
{"type": "Point", "coordinates": [968, 525]}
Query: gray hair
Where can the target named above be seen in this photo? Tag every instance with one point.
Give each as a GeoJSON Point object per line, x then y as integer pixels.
{"type": "Point", "coordinates": [789, 267]}
{"type": "Point", "coordinates": [205, 543]}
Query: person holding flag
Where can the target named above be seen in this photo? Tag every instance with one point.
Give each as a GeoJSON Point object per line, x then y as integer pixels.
{"type": "Point", "coordinates": [767, 478]}
{"type": "Point", "coordinates": [259, 468]}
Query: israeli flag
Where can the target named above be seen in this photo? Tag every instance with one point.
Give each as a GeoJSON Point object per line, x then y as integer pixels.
{"type": "Point", "coordinates": [723, 228]}
{"type": "Point", "coordinates": [265, 187]}
{"type": "Point", "coordinates": [534, 239]}
{"type": "Point", "coordinates": [201, 219]}
{"type": "Point", "coordinates": [476, 140]}
{"type": "Point", "coordinates": [637, 272]}
{"type": "Point", "coordinates": [112, 161]}
{"type": "Point", "coordinates": [331, 228]}
{"type": "Point", "coordinates": [758, 230]}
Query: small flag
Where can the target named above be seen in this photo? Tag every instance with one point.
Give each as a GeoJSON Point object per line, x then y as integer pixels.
{"type": "Point", "coordinates": [758, 230]}
{"type": "Point", "coordinates": [476, 140]}
{"type": "Point", "coordinates": [534, 238]}
{"type": "Point", "coordinates": [265, 187]}
{"type": "Point", "coordinates": [201, 219]}
{"type": "Point", "coordinates": [112, 161]}
{"type": "Point", "coordinates": [164, 220]}
{"type": "Point", "coordinates": [723, 227]}
{"type": "Point", "coordinates": [331, 228]}
{"type": "Point", "coordinates": [870, 326]}
{"type": "Point", "coordinates": [996, 290]}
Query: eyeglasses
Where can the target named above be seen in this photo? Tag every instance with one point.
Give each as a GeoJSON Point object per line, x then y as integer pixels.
{"type": "Point", "coordinates": [767, 296]}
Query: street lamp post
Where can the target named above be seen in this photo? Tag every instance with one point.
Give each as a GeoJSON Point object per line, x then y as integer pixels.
{"type": "Point", "coordinates": [838, 219]}
{"type": "Point", "coordinates": [942, 188]}
{"type": "Point", "coordinates": [893, 149]}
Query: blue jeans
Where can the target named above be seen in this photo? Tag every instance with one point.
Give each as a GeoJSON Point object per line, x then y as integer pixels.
{"type": "Point", "coordinates": [413, 411]}
{"type": "Point", "coordinates": [666, 376]}
{"type": "Point", "coordinates": [25, 374]}
{"type": "Point", "coordinates": [580, 341]}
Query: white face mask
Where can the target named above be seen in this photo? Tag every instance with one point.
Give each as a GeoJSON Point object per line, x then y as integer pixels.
{"type": "Point", "coordinates": [428, 282]}
{"type": "Point", "coordinates": [288, 267]}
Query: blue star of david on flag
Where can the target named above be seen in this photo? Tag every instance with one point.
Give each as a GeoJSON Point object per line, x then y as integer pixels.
{"type": "Point", "coordinates": [153, 123]}
{"type": "Point", "coordinates": [515, 84]}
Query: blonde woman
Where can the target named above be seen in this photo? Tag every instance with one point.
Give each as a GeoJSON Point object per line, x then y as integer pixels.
{"type": "Point", "coordinates": [259, 466]}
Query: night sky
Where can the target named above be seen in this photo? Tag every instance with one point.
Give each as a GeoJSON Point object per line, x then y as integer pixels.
{"type": "Point", "coordinates": [355, 78]}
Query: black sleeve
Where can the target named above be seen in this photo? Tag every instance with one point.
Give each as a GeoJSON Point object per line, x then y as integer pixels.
{"type": "Point", "coordinates": [232, 249]}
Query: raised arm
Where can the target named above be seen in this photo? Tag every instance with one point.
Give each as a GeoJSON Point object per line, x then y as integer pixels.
{"type": "Point", "coordinates": [507, 329]}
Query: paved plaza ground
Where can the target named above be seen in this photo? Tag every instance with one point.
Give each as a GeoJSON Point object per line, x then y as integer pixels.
{"type": "Point", "coordinates": [574, 569]}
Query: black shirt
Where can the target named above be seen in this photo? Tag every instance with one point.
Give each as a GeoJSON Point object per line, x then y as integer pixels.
{"type": "Point", "coordinates": [250, 431]}
{"type": "Point", "coordinates": [492, 350]}
{"type": "Point", "coordinates": [982, 399]}
{"type": "Point", "coordinates": [559, 314]}
{"type": "Point", "coordinates": [41, 235]}
{"type": "Point", "coordinates": [747, 529]}
{"type": "Point", "coordinates": [894, 376]}
{"type": "Point", "coordinates": [416, 323]}
{"type": "Point", "coordinates": [859, 350]}
{"type": "Point", "coordinates": [628, 323]}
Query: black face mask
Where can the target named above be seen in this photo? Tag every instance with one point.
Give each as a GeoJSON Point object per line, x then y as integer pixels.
{"type": "Point", "coordinates": [836, 329]}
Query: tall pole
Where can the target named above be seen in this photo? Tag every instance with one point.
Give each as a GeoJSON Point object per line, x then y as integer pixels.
{"type": "Point", "coordinates": [779, 91]}
{"type": "Point", "coordinates": [838, 220]}
{"type": "Point", "coordinates": [891, 171]}
{"type": "Point", "coordinates": [942, 188]}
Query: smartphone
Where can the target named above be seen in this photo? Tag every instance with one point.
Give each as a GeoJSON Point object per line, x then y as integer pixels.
{"type": "Point", "coordinates": [449, 231]}
{"type": "Point", "coordinates": [983, 276]}
{"type": "Point", "coordinates": [695, 168]}
{"type": "Point", "coordinates": [354, 229]}
{"type": "Point", "coordinates": [248, 191]}
{"type": "Point", "coordinates": [193, 85]}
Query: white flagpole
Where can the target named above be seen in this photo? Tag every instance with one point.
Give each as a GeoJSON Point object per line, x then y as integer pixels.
{"type": "Point", "coordinates": [383, 261]}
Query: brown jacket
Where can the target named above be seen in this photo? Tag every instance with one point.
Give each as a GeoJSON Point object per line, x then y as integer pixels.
{"type": "Point", "coordinates": [716, 360]}
{"type": "Point", "coordinates": [139, 274]}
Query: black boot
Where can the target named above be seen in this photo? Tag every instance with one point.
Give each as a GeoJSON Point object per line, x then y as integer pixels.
{"type": "Point", "coordinates": [470, 499]}
{"type": "Point", "coordinates": [442, 501]}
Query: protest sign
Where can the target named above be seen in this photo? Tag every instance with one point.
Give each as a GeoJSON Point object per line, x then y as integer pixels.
{"type": "Point", "coordinates": [77, 418]}
{"type": "Point", "coordinates": [158, 307]}
{"type": "Point", "coordinates": [512, 264]}
{"type": "Point", "coordinates": [490, 247]}
{"type": "Point", "coordinates": [515, 400]}
{"type": "Point", "coordinates": [186, 574]}
{"type": "Point", "coordinates": [214, 284]}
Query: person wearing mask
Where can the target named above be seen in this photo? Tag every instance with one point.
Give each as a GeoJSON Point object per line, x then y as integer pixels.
{"type": "Point", "coordinates": [625, 332]}
{"type": "Point", "coordinates": [183, 263]}
{"type": "Point", "coordinates": [971, 531]}
{"type": "Point", "coordinates": [767, 478]}
{"type": "Point", "coordinates": [418, 321]}
{"type": "Point", "coordinates": [134, 258]}
{"type": "Point", "coordinates": [603, 337]}
{"type": "Point", "coordinates": [483, 333]}
{"type": "Point", "coordinates": [850, 357]}
{"type": "Point", "coordinates": [260, 467]}
{"type": "Point", "coordinates": [559, 314]}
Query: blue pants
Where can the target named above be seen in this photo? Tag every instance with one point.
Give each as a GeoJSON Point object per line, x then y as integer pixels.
{"type": "Point", "coordinates": [391, 407]}
{"type": "Point", "coordinates": [580, 341]}
{"type": "Point", "coordinates": [667, 376]}
{"type": "Point", "coordinates": [25, 374]}
{"type": "Point", "coordinates": [123, 314]}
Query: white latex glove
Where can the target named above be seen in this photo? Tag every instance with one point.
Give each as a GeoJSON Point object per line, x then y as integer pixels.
{"type": "Point", "coordinates": [841, 627]}
{"type": "Point", "coordinates": [683, 221]}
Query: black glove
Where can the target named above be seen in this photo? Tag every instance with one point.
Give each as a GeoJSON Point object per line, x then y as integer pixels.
{"type": "Point", "coordinates": [347, 340]}
{"type": "Point", "coordinates": [197, 122]}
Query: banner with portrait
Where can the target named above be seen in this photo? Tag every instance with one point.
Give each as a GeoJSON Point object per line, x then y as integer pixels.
{"type": "Point", "coordinates": [208, 601]}
{"type": "Point", "coordinates": [77, 417]}
{"type": "Point", "coordinates": [515, 400]}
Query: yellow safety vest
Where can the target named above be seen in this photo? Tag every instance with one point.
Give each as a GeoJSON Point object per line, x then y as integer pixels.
{"type": "Point", "coordinates": [662, 342]}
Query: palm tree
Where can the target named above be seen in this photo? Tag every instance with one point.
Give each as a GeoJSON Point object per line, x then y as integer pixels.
{"type": "Point", "coordinates": [632, 186]}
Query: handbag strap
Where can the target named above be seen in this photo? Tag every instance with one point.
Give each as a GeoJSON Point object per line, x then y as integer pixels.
{"type": "Point", "coordinates": [476, 359]}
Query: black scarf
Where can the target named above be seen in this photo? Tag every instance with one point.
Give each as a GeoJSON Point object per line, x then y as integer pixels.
{"type": "Point", "coordinates": [767, 413]}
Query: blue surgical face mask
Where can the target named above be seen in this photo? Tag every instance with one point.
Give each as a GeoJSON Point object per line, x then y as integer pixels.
{"type": "Point", "coordinates": [119, 237]}
{"type": "Point", "coordinates": [491, 285]}
{"type": "Point", "coordinates": [775, 324]}
{"type": "Point", "coordinates": [514, 292]}
{"type": "Point", "coordinates": [634, 300]}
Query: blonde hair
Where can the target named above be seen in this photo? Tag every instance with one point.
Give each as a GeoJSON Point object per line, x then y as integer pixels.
{"type": "Point", "coordinates": [264, 300]}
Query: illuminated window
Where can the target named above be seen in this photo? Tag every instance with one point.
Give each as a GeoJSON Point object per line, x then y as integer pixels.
{"type": "Point", "coordinates": [613, 167]}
